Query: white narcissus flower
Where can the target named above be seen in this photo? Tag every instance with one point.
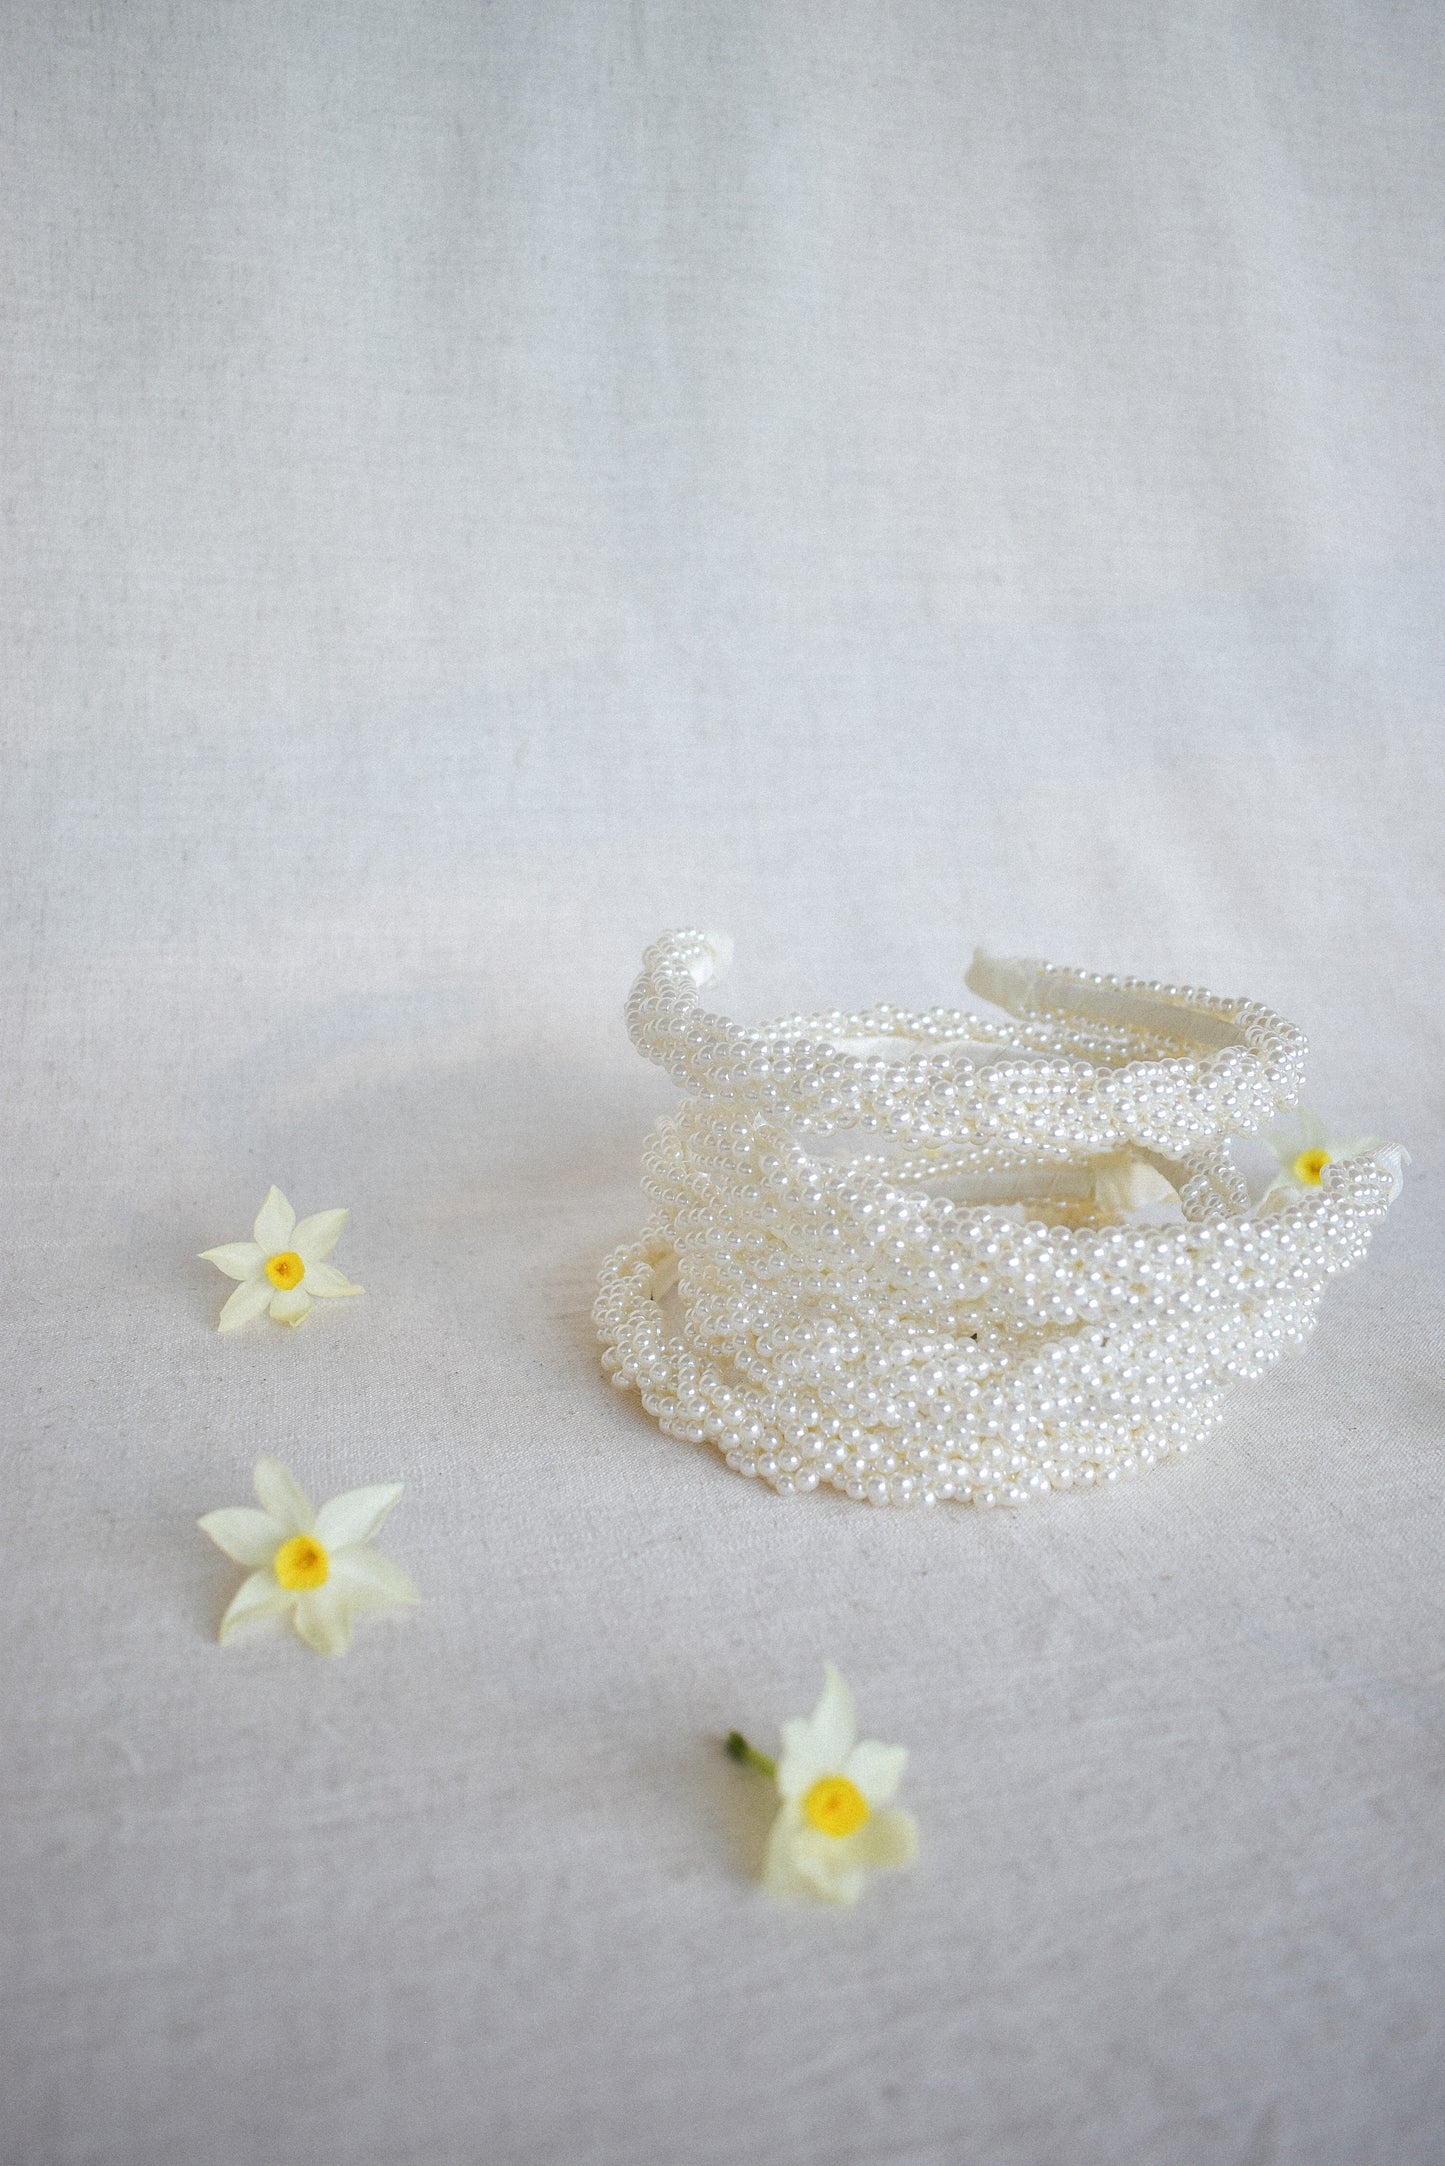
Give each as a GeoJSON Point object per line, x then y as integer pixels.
{"type": "Point", "coordinates": [315, 1564]}
{"type": "Point", "coordinates": [835, 1824]}
{"type": "Point", "coordinates": [283, 1266]}
{"type": "Point", "coordinates": [1306, 1149]}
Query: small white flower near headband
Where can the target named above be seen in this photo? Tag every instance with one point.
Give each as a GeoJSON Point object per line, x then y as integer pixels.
{"type": "Point", "coordinates": [315, 1564]}
{"type": "Point", "coordinates": [283, 1267]}
{"type": "Point", "coordinates": [1307, 1148]}
{"type": "Point", "coordinates": [835, 1824]}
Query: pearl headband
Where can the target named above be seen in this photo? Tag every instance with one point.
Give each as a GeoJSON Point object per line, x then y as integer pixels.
{"type": "Point", "coordinates": [1161, 1065]}
{"type": "Point", "coordinates": [1000, 1312]}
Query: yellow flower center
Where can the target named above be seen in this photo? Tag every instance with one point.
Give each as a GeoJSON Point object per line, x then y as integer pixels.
{"type": "Point", "coordinates": [285, 1270]}
{"type": "Point", "coordinates": [835, 1806]}
{"type": "Point", "coordinates": [301, 1564]}
{"type": "Point", "coordinates": [1309, 1166]}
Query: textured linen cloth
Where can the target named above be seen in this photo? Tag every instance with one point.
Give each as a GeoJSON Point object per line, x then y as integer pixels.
{"type": "Point", "coordinates": [481, 484]}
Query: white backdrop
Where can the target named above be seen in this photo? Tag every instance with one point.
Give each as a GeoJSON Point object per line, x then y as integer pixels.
{"type": "Point", "coordinates": [482, 483]}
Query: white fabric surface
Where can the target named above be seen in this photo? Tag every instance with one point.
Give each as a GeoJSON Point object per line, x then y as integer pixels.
{"type": "Point", "coordinates": [480, 484]}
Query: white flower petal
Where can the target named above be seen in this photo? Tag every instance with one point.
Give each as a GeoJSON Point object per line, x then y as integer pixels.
{"type": "Point", "coordinates": [290, 1306]}
{"type": "Point", "coordinates": [356, 1515]}
{"type": "Point", "coordinates": [238, 1259]}
{"type": "Point", "coordinates": [323, 1618]}
{"type": "Point", "coordinates": [827, 1865]}
{"type": "Point", "coordinates": [314, 1238]}
{"type": "Point", "coordinates": [885, 1844]}
{"type": "Point", "coordinates": [247, 1301]}
{"type": "Point", "coordinates": [837, 1884]}
{"type": "Point", "coordinates": [274, 1222]}
{"type": "Point", "coordinates": [835, 1719]}
{"type": "Point", "coordinates": [326, 1280]}
{"type": "Point", "coordinates": [249, 1536]}
{"type": "Point", "coordinates": [372, 1582]}
{"type": "Point", "coordinates": [799, 1762]}
{"type": "Point", "coordinates": [780, 1868]}
{"type": "Point", "coordinates": [283, 1497]}
{"type": "Point", "coordinates": [876, 1769]}
{"type": "Point", "coordinates": [819, 1743]}
{"type": "Point", "coordinates": [258, 1596]}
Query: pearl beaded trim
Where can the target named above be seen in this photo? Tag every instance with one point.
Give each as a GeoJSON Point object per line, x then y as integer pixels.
{"type": "Point", "coordinates": [965, 1312]}
{"type": "Point", "coordinates": [1137, 1073]}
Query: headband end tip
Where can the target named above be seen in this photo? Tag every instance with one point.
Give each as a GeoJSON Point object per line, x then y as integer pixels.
{"type": "Point", "coordinates": [716, 962]}
{"type": "Point", "coordinates": [1007, 983]}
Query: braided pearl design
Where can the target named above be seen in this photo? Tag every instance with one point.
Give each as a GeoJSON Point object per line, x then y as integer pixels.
{"type": "Point", "coordinates": [1136, 1074]}
{"type": "Point", "coordinates": [951, 1316]}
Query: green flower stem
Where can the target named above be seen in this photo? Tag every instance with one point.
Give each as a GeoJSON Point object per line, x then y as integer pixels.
{"type": "Point", "coordinates": [741, 1750]}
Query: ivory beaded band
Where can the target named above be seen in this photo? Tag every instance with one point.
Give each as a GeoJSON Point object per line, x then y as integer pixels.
{"type": "Point", "coordinates": [1136, 1072]}
{"type": "Point", "coordinates": [964, 1315]}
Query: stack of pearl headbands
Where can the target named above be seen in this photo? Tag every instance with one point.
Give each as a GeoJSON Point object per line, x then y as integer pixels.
{"type": "Point", "coordinates": [1043, 1273]}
